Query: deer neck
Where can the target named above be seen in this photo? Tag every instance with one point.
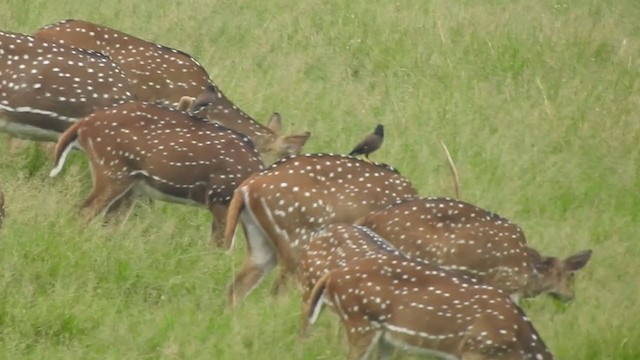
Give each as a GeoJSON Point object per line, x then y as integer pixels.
{"type": "Point", "coordinates": [536, 283]}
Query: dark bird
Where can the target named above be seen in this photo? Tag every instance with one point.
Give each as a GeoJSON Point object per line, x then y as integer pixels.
{"type": "Point", "coordinates": [370, 143]}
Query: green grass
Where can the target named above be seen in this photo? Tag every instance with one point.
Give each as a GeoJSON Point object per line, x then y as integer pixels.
{"type": "Point", "coordinates": [538, 102]}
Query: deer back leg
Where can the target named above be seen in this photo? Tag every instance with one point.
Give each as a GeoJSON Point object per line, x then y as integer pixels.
{"type": "Point", "coordinates": [260, 259]}
{"type": "Point", "coordinates": [103, 195]}
{"type": "Point", "coordinates": [219, 213]}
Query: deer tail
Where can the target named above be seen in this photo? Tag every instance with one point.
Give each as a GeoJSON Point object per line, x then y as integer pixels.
{"type": "Point", "coordinates": [314, 307]}
{"type": "Point", "coordinates": [67, 141]}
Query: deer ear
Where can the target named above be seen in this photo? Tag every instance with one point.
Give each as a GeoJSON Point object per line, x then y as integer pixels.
{"type": "Point", "coordinates": [577, 261]}
{"type": "Point", "coordinates": [185, 103]}
{"type": "Point", "coordinates": [275, 123]}
{"type": "Point", "coordinates": [294, 143]}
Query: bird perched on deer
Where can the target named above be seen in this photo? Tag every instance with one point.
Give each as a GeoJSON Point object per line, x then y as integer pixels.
{"type": "Point", "coordinates": [370, 143]}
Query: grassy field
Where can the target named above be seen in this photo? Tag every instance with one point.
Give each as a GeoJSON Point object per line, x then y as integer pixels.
{"type": "Point", "coordinates": [538, 102]}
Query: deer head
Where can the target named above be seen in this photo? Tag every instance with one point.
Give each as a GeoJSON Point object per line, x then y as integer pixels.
{"type": "Point", "coordinates": [555, 276]}
{"type": "Point", "coordinates": [460, 236]}
{"type": "Point", "coordinates": [46, 87]}
{"type": "Point", "coordinates": [164, 153]}
{"type": "Point", "coordinates": [282, 206]}
{"type": "Point", "coordinates": [393, 302]}
{"type": "Point", "coordinates": [157, 73]}
{"type": "Point", "coordinates": [216, 107]}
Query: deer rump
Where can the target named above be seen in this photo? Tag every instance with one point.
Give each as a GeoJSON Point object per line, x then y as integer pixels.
{"type": "Point", "coordinates": [166, 153]}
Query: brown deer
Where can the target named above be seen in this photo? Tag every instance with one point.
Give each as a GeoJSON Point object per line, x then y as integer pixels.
{"type": "Point", "coordinates": [393, 302]}
{"type": "Point", "coordinates": [215, 106]}
{"type": "Point", "coordinates": [460, 236]}
{"type": "Point", "coordinates": [164, 153]}
{"type": "Point", "coordinates": [165, 75]}
{"type": "Point", "coordinates": [282, 206]}
{"type": "Point", "coordinates": [45, 87]}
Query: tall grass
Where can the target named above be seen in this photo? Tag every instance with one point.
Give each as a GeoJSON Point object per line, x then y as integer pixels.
{"type": "Point", "coordinates": [538, 102]}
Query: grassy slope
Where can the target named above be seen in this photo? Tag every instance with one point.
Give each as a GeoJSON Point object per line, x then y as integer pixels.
{"type": "Point", "coordinates": [537, 101]}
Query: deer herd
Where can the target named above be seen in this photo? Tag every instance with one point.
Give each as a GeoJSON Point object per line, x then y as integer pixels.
{"type": "Point", "coordinates": [435, 276]}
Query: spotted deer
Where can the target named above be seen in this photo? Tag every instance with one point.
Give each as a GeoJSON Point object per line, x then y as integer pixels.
{"type": "Point", "coordinates": [45, 87]}
{"type": "Point", "coordinates": [282, 206]}
{"type": "Point", "coordinates": [172, 77]}
{"type": "Point", "coordinates": [215, 106]}
{"type": "Point", "coordinates": [393, 302]}
{"type": "Point", "coordinates": [163, 153]}
{"type": "Point", "coordinates": [460, 236]}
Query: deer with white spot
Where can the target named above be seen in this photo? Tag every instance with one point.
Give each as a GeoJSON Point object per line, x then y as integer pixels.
{"type": "Point", "coordinates": [390, 302]}
{"type": "Point", "coordinates": [460, 236]}
{"type": "Point", "coordinates": [282, 206]}
{"type": "Point", "coordinates": [386, 299]}
{"type": "Point", "coordinates": [165, 75]}
{"type": "Point", "coordinates": [164, 153]}
{"type": "Point", "coordinates": [45, 87]}
{"type": "Point", "coordinates": [215, 106]}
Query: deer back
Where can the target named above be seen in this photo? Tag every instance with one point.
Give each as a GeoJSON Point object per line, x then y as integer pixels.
{"type": "Point", "coordinates": [335, 246]}
{"type": "Point", "coordinates": [178, 155]}
{"type": "Point", "coordinates": [457, 235]}
{"type": "Point", "coordinates": [157, 73]}
{"type": "Point", "coordinates": [298, 195]}
{"type": "Point", "coordinates": [401, 303]}
{"type": "Point", "coordinates": [45, 87]}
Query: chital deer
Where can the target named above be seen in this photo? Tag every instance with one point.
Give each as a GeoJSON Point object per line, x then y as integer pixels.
{"type": "Point", "coordinates": [460, 236]}
{"type": "Point", "coordinates": [162, 74]}
{"type": "Point", "coordinates": [45, 87]}
{"type": "Point", "coordinates": [157, 73]}
{"type": "Point", "coordinates": [282, 206]}
{"type": "Point", "coordinates": [393, 302]}
{"type": "Point", "coordinates": [164, 153]}
{"type": "Point", "coordinates": [216, 107]}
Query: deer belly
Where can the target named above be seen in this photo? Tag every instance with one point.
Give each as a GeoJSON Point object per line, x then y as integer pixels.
{"type": "Point", "coordinates": [171, 194]}
{"type": "Point", "coordinates": [29, 124]}
{"type": "Point", "coordinates": [420, 343]}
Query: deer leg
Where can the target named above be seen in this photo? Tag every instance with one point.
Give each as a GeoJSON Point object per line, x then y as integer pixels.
{"type": "Point", "coordinates": [361, 344]}
{"type": "Point", "coordinates": [219, 212]}
{"type": "Point", "coordinates": [250, 275]}
{"type": "Point", "coordinates": [103, 196]}
{"type": "Point", "coordinates": [260, 259]}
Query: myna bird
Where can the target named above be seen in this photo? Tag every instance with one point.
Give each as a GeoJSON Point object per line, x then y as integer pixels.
{"type": "Point", "coordinates": [370, 143]}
